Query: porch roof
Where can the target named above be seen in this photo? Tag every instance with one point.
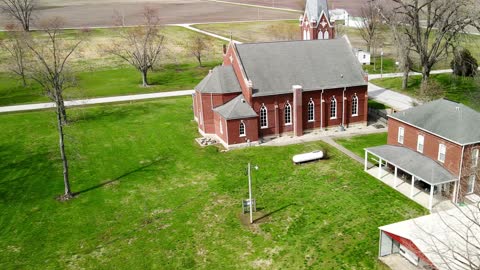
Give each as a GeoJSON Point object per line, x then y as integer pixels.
{"type": "Point", "coordinates": [414, 163]}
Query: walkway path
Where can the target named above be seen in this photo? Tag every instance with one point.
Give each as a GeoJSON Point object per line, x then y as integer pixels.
{"type": "Point", "coordinates": [393, 99]}
{"type": "Point", "coordinates": [189, 27]}
{"type": "Point", "coordinates": [344, 150]}
{"type": "Point", "coordinates": [82, 102]}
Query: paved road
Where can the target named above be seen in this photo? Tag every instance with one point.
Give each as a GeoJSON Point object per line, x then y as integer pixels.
{"type": "Point", "coordinates": [73, 103]}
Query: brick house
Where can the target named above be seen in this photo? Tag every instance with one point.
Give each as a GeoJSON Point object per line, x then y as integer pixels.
{"type": "Point", "coordinates": [270, 89]}
{"type": "Point", "coordinates": [315, 22]}
{"type": "Point", "coordinates": [437, 145]}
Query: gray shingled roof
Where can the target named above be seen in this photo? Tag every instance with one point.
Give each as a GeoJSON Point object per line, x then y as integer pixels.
{"type": "Point", "coordinates": [237, 108]}
{"type": "Point", "coordinates": [450, 120]}
{"type": "Point", "coordinates": [221, 80]}
{"type": "Point", "coordinates": [316, 64]}
{"type": "Point", "coordinates": [314, 8]}
{"type": "Point", "coordinates": [415, 163]}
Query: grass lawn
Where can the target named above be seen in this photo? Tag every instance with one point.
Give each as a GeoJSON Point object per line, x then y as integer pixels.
{"type": "Point", "coordinates": [109, 82]}
{"type": "Point", "coordinates": [464, 90]}
{"type": "Point", "coordinates": [377, 105]}
{"type": "Point", "coordinates": [149, 197]}
{"type": "Point", "coordinates": [357, 144]}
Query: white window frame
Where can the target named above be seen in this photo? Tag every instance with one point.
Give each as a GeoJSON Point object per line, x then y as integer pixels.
{"type": "Point", "coordinates": [326, 35]}
{"type": "Point", "coordinates": [442, 151]}
{"type": "Point", "coordinates": [475, 157]}
{"type": "Point", "coordinates": [288, 108]}
{"type": "Point", "coordinates": [311, 109]}
{"type": "Point", "coordinates": [401, 135]}
{"type": "Point", "coordinates": [355, 105]}
{"type": "Point", "coordinates": [263, 110]}
{"type": "Point", "coordinates": [333, 101]}
{"type": "Point", "coordinates": [244, 128]}
{"type": "Point", "coordinates": [420, 138]}
{"type": "Point", "coordinates": [471, 184]}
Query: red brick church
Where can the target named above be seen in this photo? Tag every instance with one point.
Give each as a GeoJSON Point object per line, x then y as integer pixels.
{"type": "Point", "coordinates": [271, 89]}
{"type": "Point", "coordinates": [315, 22]}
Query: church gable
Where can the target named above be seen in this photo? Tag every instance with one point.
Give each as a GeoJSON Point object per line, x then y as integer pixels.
{"type": "Point", "coordinates": [316, 23]}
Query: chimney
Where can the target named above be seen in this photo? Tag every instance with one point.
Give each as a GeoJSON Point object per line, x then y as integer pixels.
{"type": "Point", "coordinates": [297, 110]}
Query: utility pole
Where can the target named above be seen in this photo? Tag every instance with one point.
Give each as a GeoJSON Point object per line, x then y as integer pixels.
{"type": "Point", "coordinates": [250, 192]}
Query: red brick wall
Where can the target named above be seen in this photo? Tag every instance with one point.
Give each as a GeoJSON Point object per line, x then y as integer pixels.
{"type": "Point", "coordinates": [221, 134]}
{"type": "Point", "coordinates": [251, 127]}
{"type": "Point", "coordinates": [314, 32]}
{"type": "Point", "coordinates": [431, 143]}
{"type": "Point", "coordinates": [237, 68]}
{"type": "Point", "coordinates": [467, 170]}
{"type": "Point", "coordinates": [208, 103]}
{"type": "Point", "coordinates": [281, 100]}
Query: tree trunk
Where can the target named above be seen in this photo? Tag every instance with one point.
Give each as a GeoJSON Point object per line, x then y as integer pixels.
{"type": "Point", "coordinates": [199, 58]}
{"type": "Point", "coordinates": [66, 181]}
{"type": "Point", "coordinates": [24, 80]}
{"type": "Point", "coordinates": [426, 73]}
{"type": "Point", "coordinates": [405, 79]}
{"type": "Point", "coordinates": [144, 78]}
{"type": "Point", "coordinates": [63, 111]}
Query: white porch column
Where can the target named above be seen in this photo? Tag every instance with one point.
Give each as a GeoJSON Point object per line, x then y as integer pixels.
{"type": "Point", "coordinates": [366, 160]}
{"type": "Point", "coordinates": [379, 168]}
{"type": "Point", "coordinates": [395, 179]}
{"type": "Point", "coordinates": [430, 203]}
{"type": "Point", "coordinates": [412, 187]}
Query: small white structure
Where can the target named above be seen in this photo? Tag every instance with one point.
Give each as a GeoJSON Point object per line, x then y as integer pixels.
{"type": "Point", "coordinates": [363, 57]}
{"type": "Point", "coordinates": [444, 240]}
{"type": "Point", "coordinates": [339, 14]}
{"type": "Point", "coordinates": [306, 157]}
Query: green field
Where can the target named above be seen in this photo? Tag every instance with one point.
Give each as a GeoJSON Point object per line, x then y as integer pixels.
{"type": "Point", "coordinates": [109, 82]}
{"type": "Point", "coordinates": [464, 90]}
{"type": "Point", "coordinates": [357, 144]}
{"type": "Point", "coordinates": [149, 197]}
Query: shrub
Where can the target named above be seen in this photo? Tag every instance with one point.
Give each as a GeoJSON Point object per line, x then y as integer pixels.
{"type": "Point", "coordinates": [464, 64]}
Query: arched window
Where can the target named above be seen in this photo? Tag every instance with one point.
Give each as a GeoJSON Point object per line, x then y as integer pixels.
{"type": "Point", "coordinates": [355, 105]}
{"type": "Point", "coordinates": [311, 111]}
{"type": "Point", "coordinates": [243, 131]}
{"type": "Point", "coordinates": [326, 35]}
{"type": "Point", "coordinates": [288, 114]}
{"type": "Point", "coordinates": [304, 34]}
{"type": "Point", "coordinates": [333, 108]}
{"type": "Point", "coordinates": [308, 35]}
{"type": "Point", "coordinates": [320, 35]}
{"type": "Point", "coordinates": [263, 117]}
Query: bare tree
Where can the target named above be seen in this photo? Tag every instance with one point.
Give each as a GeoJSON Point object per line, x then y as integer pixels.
{"type": "Point", "coordinates": [198, 46]}
{"type": "Point", "coordinates": [21, 10]}
{"type": "Point", "coordinates": [432, 27]}
{"type": "Point", "coordinates": [14, 45]}
{"type": "Point", "coordinates": [140, 46]}
{"type": "Point", "coordinates": [370, 27]}
{"type": "Point", "coordinates": [50, 70]}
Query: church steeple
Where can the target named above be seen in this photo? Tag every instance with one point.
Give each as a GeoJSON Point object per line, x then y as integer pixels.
{"type": "Point", "coordinates": [315, 22]}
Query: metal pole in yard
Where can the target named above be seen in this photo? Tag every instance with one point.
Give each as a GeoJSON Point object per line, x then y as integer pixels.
{"type": "Point", "coordinates": [381, 64]}
{"type": "Point", "coordinates": [250, 192]}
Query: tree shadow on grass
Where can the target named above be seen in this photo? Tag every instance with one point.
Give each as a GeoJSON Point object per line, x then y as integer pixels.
{"type": "Point", "coordinates": [137, 170]}
{"type": "Point", "coordinates": [273, 212]}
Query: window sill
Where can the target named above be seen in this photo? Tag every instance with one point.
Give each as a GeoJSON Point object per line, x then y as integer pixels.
{"type": "Point", "coordinates": [333, 118]}
{"type": "Point", "coordinates": [288, 124]}
{"type": "Point", "coordinates": [354, 115]}
{"type": "Point", "coordinates": [263, 127]}
{"type": "Point", "coordinates": [241, 136]}
{"type": "Point", "coordinates": [311, 121]}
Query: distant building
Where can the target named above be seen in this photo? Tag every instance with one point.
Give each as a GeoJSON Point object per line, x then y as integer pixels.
{"type": "Point", "coordinates": [339, 14]}
{"type": "Point", "coordinates": [315, 22]}
{"type": "Point", "coordinates": [444, 240]}
{"type": "Point", "coordinates": [269, 89]}
{"type": "Point", "coordinates": [362, 56]}
{"type": "Point", "coordinates": [435, 148]}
